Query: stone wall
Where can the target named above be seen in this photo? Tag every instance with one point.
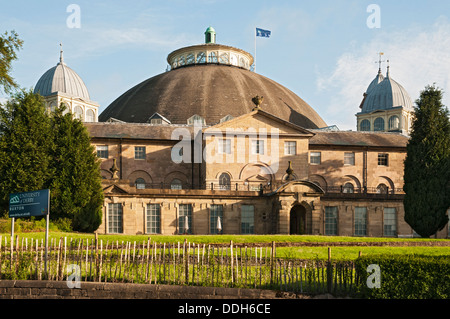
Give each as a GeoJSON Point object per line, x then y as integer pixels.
{"type": "Point", "coordinates": [42, 289]}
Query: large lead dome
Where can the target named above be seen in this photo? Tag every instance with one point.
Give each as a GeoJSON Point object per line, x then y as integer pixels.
{"type": "Point", "coordinates": [211, 81]}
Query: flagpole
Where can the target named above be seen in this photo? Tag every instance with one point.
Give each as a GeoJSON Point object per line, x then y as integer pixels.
{"type": "Point", "coordinates": [254, 69]}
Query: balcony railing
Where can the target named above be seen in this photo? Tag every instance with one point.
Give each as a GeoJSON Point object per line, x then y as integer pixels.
{"type": "Point", "coordinates": [331, 191]}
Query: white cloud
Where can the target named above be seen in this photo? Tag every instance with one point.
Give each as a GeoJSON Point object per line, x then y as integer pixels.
{"type": "Point", "coordinates": [418, 57]}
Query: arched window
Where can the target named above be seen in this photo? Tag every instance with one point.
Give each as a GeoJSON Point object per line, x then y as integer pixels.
{"type": "Point", "coordinates": [348, 188]}
{"type": "Point", "coordinates": [225, 181]}
{"type": "Point", "coordinates": [382, 189]}
{"type": "Point", "coordinates": [176, 184]}
{"type": "Point", "coordinates": [90, 116]}
{"type": "Point", "coordinates": [212, 57]}
{"type": "Point", "coordinates": [378, 125]}
{"type": "Point", "coordinates": [78, 112]}
{"type": "Point", "coordinates": [140, 183]}
{"type": "Point", "coordinates": [394, 123]}
{"type": "Point", "coordinates": [201, 57]}
{"type": "Point", "coordinates": [365, 125]}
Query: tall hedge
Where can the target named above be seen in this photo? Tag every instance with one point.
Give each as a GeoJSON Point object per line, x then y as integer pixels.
{"type": "Point", "coordinates": [405, 277]}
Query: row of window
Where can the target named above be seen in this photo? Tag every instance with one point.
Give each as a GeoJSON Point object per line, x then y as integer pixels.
{"type": "Point", "coordinates": [258, 147]}
{"type": "Point", "coordinates": [378, 124]}
{"type": "Point", "coordinates": [78, 112]}
{"type": "Point", "coordinates": [140, 152]}
{"type": "Point", "coordinates": [360, 221]}
{"type": "Point", "coordinates": [153, 219]}
{"type": "Point", "coordinates": [211, 57]}
{"type": "Point", "coordinates": [349, 158]}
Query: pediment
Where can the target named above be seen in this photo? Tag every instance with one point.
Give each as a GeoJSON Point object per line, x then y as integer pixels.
{"type": "Point", "coordinates": [257, 179]}
{"type": "Point", "coordinates": [257, 121]}
{"type": "Point", "coordinates": [114, 189]}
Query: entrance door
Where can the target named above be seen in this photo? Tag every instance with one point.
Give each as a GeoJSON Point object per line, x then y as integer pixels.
{"type": "Point", "coordinates": [297, 220]}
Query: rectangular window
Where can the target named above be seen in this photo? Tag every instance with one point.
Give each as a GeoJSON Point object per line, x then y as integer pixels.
{"type": "Point", "coordinates": [102, 151]}
{"type": "Point", "coordinates": [185, 210]}
{"type": "Point", "coordinates": [216, 219]}
{"type": "Point", "coordinates": [290, 148]}
{"type": "Point", "coordinates": [331, 220]}
{"type": "Point", "coordinates": [153, 219]}
{"type": "Point", "coordinates": [349, 158]}
{"type": "Point", "coordinates": [258, 147]}
{"type": "Point", "coordinates": [247, 219]}
{"type": "Point", "coordinates": [115, 218]}
{"type": "Point", "coordinates": [139, 152]}
{"type": "Point", "coordinates": [360, 221]}
{"type": "Point", "coordinates": [390, 222]}
{"type": "Point", "coordinates": [315, 158]}
{"type": "Point", "coordinates": [383, 159]}
{"type": "Point", "coordinates": [225, 146]}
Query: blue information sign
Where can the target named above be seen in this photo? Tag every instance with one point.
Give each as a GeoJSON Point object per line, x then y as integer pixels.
{"type": "Point", "coordinates": [35, 203]}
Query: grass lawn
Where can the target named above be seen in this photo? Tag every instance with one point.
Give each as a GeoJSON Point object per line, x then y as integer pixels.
{"type": "Point", "coordinates": [348, 252]}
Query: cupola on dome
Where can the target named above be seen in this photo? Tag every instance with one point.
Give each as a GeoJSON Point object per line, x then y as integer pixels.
{"type": "Point", "coordinates": [387, 94]}
{"type": "Point", "coordinates": [63, 79]}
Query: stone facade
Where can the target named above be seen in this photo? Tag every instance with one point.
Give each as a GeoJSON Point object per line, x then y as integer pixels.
{"type": "Point", "coordinates": [294, 181]}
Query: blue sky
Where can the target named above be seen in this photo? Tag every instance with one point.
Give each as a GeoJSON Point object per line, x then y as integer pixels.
{"type": "Point", "coordinates": [322, 50]}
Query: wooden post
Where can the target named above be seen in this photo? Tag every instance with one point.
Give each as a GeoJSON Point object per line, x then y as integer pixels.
{"type": "Point", "coordinates": [272, 262]}
{"type": "Point", "coordinates": [186, 262]}
{"type": "Point", "coordinates": [232, 270]}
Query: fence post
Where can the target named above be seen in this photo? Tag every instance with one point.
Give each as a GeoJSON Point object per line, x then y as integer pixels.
{"type": "Point", "coordinates": [272, 260]}
{"type": "Point", "coordinates": [329, 272]}
{"type": "Point", "coordinates": [186, 262]}
{"type": "Point", "coordinates": [232, 271]}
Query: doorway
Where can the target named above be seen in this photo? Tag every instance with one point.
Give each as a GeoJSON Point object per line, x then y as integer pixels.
{"type": "Point", "coordinates": [297, 220]}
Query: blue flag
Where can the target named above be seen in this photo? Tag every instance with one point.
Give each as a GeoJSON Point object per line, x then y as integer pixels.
{"type": "Point", "coordinates": [262, 33]}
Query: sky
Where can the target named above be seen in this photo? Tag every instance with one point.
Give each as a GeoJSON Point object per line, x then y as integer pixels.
{"type": "Point", "coordinates": [325, 51]}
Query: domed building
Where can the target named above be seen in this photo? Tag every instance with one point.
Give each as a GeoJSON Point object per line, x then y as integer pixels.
{"type": "Point", "coordinates": [208, 82]}
{"type": "Point", "coordinates": [210, 142]}
{"type": "Point", "coordinates": [386, 107]}
{"type": "Point", "coordinates": [61, 84]}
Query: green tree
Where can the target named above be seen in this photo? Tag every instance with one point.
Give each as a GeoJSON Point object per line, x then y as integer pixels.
{"type": "Point", "coordinates": [76, 184]}
{"type": "Point", "coordinates": [39, 150]}
{"type": "Point", "coordinates": [9, 44]}
{"type": "Point", "coordinates": [427, 165]}
{"type": "Point", "coordinates": [25, 139]}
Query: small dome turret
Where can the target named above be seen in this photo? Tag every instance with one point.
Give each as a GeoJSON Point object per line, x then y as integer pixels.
{"type": "Point", "coordinates": [61, 78]}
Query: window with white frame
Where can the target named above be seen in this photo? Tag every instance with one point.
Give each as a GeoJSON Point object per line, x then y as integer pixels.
{"type": "Point", "coordinates": [331, 213]}
{"type": "Point", "coordinates": [115, 218]}
{"type": "Point", "coordinates": [290, 148]}
{"type": "Point", "coordinates": [176, 184]}
{"type": "Point", "coordinates": [349, 158]}
{"type": "Point", "coordinates": [247, 219]}
{"type": "Point", "coordinates": [383, 159]}
{"type": "Point", "coordinates": [216, 219]}
{"type": "Point", "coordinates": [224, 146]}
{"type": "Point", "coordinates": [315, 158]}
{"type": "Point", "coordinates": [360, 221]}
{"type": "Point", "coordinates": [153, 219]}
{"type": "Point", "coordinates": [389, 221]}
{"type": "Point", "coordinates": [139, 152]}
{"type": "Point", "coordinates": [185, 219]}
{"type": "Point", "coordinates": [258, 147]}
{"type": "Point", "coordinates": [224, 181]}
{"type": "Point", "coordinates": [102, 151]}
{"type": "Point", "coordinates": [140, 183]}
